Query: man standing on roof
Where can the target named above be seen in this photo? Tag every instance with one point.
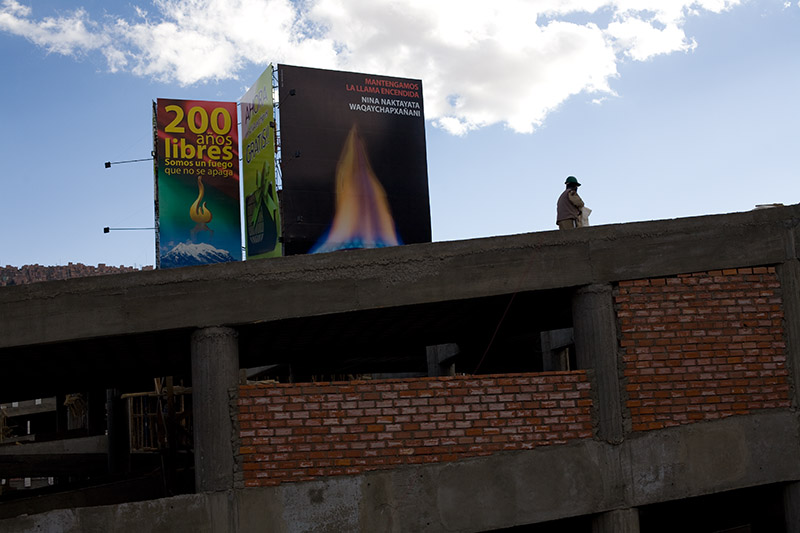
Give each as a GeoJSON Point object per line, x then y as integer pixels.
{"type": "Point", "coordinates": [568, 209]}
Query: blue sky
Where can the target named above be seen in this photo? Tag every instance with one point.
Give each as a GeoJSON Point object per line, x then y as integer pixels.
{"type": "Point", "coordinates": [661, 112]}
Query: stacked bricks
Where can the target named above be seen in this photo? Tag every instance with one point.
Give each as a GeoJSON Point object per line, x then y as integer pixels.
{"type": "Point", "coordinates": [298, 432]}
{"type": "Point", "coordinates": [702, 346]}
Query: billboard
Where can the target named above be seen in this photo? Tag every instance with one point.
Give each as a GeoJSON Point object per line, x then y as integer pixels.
{"type": "Point", "coordinates": [354, 166]}
{"type": "Point", "coordinates": [197, 150]}
{"type": "Point", "coordinates": [261, 212]}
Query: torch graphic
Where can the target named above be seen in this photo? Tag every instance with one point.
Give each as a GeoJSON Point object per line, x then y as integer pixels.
{"type": "Point", "coordinates": [199, 212]}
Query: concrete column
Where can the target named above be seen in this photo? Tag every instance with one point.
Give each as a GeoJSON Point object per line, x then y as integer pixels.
{"type": "Point", "coordinates": [119, 439]}
{"type": "Point", "coordinates": [595, 330]}
{"type": "Point", "coordinates": [440, 359]}
{"type": "Point", "coordinates": [62, 414]}
{"type": "Point", "coordinates": [789, 276]}
{"type": "Point", "coordinates": [555, 349]}
{"type": "Point", "coordinates": [791, 507]}
{"type": "Point", "coordinates": [215, 370]}
{"type": "Point", "coordinates": [617, 521]}
{"type": "Point", "coordinates": [96, 421]}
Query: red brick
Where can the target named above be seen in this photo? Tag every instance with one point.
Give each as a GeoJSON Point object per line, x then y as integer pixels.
{"type": "Point", "coordinates": [442, 419]}
{"type": "Point", "coordinates": [736, 343]}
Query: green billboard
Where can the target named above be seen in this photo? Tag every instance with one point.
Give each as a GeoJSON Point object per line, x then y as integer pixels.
{"type": "Point", "coordinates": [261, 212]}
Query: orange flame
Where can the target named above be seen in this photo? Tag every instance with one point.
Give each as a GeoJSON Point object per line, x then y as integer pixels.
{"type": "Point", "coordinates": [362, 218]}
{"type": "Point", "coordinates": [200, 213]}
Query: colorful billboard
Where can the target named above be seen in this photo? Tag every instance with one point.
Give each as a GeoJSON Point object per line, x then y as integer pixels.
{"type": "Point", "coordinates": [261, 213]}
{"type": "Point", "coordinates": [354, 166]}
{"type": "Point", "coordinates": [197, 150]}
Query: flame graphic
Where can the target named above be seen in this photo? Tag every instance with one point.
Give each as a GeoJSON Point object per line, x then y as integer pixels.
{"type": "Point", "coordinates": [200, 213]}
{"type": "Point", "coordinates": [362, 218]}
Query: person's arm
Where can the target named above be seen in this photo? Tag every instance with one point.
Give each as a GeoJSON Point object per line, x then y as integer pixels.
{"type": "Point", "coordinates": [575, 199]}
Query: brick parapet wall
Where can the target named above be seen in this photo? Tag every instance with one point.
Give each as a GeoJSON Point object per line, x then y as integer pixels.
{"type": "Point", "coordinates": [297, 432]}
{"type": "Point", "coordinates": [702, 346]}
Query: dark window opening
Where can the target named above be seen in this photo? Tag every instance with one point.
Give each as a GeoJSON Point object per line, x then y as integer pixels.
{"type": "Point", "coordinates": [493, 335]}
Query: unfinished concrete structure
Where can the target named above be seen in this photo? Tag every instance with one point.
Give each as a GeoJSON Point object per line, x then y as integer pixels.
{"type": "Point", "coordinates": [674, 405]}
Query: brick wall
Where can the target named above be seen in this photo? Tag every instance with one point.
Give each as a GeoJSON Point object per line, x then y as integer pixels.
{"type": "Point", "coordinates": [702, 346]}
{"type": "Point", "coordinates": [294, 432]}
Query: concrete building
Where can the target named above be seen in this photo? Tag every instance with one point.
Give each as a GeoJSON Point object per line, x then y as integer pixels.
{"type": "Point", "coordinates": [621, 378]}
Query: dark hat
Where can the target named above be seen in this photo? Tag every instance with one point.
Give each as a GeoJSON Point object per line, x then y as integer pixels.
{"type": "Point", "coordinates": [572, 180]}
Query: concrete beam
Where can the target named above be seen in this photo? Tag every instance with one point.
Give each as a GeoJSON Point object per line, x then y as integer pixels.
{"type": "Point", "coordinates": [301, 286]}
{"type": "Point", "coordinates": [80, 445]}
{"type": "Point", "coordinates": [485, 493]}
{"type": "Point", "coordinates": [548, 483]}
{"type": "Point", "coordinates": [30, 407]}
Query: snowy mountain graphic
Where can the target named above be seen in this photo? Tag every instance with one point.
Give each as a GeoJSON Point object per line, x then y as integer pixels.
{"type": "Point", "coordinates": [190, 254]}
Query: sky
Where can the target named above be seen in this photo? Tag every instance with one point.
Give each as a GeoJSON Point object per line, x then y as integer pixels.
{"type": "Point", "coordinates": [661, 108]}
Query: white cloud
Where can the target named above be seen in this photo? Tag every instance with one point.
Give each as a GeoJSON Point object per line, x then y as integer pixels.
{"type": "Point", "coordinates": [67, 35]}
{"type": "Point", "coordinates": [482, 63]}
{"type": "Point", "coordinates": [641, 40]}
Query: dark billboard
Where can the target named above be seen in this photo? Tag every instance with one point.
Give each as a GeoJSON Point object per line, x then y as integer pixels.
{"type": "Point", "coordinates": [354, 166]}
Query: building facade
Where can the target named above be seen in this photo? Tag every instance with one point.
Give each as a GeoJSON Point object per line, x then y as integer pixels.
{"type": "Point", "coordinates": [634, 377]}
